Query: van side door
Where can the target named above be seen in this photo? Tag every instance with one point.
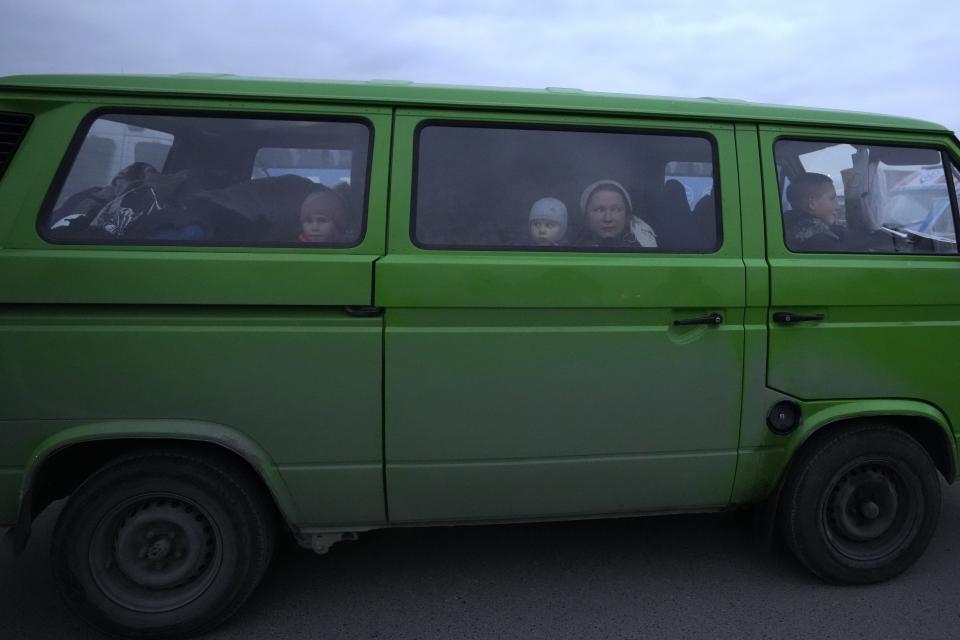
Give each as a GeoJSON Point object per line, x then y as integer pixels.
{"type": "Point", "coordinates": [584, 377]}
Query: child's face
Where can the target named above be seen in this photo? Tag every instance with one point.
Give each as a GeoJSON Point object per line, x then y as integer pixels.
{"type": "Point", "coordinates": [545, 231]}
{"type": "Point", "coordinates": [318, 227]}
{"type": "Point", "coordinates": [319, 218]}
{"type": "Point", "coordinates": [823, 204]}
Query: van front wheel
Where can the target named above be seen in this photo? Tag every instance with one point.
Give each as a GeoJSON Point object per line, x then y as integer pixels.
{"type": "Point", "coordinates": [162, 544]}
{"type": "Point", "coordinates": [861, 507]}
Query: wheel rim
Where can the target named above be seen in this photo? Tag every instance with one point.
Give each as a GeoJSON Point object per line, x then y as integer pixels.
{"type": "Point", "coordinates": [155, 553]}
{"type": "Point", "coordinates": [871, 509]}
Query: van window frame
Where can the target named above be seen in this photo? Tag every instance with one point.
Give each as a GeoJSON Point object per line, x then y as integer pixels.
{"type": "Point", "coordinates": [83, 129]}
{"type": "Point", "coordinates": [527, 126]}
{"type": "Point", "coordinates": [944, 155]}
{"type": "Point", "coordinates": [949, 163]}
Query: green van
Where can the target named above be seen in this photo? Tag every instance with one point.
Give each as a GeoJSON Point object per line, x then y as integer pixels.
{"type": "Point", "coordinates": [233, 306]}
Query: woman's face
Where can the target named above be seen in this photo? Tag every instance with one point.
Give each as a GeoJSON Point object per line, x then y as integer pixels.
{"type": "Point", "coordinates": [606, 214]}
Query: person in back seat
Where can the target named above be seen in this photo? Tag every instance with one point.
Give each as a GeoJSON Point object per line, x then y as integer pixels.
{"type": "Point", "coordinates": [548, 222]}
{"type": "Point", "coordinates": [322, 217]}
{"type": "Point", "coordinates": [609, 217]}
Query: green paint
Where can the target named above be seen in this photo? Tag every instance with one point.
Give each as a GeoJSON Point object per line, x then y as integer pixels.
{"type": "Point", "coordinates": [497, 386]}
{"type": "Point", "coordinates": [203, 86]}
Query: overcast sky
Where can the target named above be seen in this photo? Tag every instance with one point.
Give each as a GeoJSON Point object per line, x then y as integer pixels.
{"type": "Point", "coordinates": [888, 57]}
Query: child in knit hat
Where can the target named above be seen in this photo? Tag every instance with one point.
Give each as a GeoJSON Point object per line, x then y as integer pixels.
{"type": "Point", "coordinates": [548, 222]}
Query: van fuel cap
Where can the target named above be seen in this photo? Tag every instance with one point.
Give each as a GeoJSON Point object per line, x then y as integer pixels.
{"type": "Point", "coordinates": [783, 417]}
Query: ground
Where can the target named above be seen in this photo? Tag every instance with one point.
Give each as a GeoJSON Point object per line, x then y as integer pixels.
{"type": "Point", "coordinates": [665, 577]}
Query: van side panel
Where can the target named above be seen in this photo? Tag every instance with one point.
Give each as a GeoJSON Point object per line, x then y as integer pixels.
{"type": "Point", "coordinates": [891, 326]}
{"type": "Point", "coordinates": [256, 339]}
{"type": "Point", "coordinates": [522, 413]}
{"type": "Point", "coordinates": [268, 375]}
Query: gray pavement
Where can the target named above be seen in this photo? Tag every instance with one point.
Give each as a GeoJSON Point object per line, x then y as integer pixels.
{"type": "Point", "coordinates": [665, 577]}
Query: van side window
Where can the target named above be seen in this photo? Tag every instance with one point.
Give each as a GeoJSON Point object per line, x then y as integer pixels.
{"type": "Point", "coordinates": [479, 187]}
{"type": "Point", "coordinates": [199, 180]}
{"type": "Point", "coordinates": [864, 198]}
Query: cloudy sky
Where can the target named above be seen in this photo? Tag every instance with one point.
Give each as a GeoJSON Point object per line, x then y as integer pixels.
{"type": "Point", "coordinates": [890, 57]}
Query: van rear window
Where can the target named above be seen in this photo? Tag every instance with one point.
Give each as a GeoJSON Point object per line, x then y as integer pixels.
{"type": "Point", "coordinates": [205, 180]}
{"type": "Point", "coordinates": [482, 187]}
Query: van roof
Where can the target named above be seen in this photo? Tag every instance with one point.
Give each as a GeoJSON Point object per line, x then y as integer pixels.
{"type": "Point", "coordinates": [410, 94]}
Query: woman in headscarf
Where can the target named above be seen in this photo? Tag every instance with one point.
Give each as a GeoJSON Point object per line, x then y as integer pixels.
{"type": "Point", "coordinates": [609, 219]}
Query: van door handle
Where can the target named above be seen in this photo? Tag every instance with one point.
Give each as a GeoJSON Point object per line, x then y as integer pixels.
{"type": "Point", "coordinates": [364, 311]}
{"type": "Point", "coordinates": [713, 319]}
{"type": "Point", "coordinates": [789, 317]}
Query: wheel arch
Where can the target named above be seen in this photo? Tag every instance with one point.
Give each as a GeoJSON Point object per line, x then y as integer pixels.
{"type": "Point", "coordinates": [924, 423]}
{"type": "Point", "coordinates": [62, 462]}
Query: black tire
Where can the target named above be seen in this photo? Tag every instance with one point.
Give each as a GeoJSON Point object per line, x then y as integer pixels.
{"type": "Point", "coordinates": [162, 544]}
{"type": "Point", "coordinates": [861, 506]}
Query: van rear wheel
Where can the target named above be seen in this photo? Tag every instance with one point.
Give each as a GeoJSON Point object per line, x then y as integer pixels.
{"type": "Point", "coordinates": [862, 506]}
{"type": "Point", "coordinates": [162, 544]}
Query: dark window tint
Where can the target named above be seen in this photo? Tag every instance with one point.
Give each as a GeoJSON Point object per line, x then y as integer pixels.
{"type": "Point", "coordinates": [536, 189]}
{"type": "Point", "coordinates": [846, 197]}
{"type": "Point", "coordinates": [171, 179]}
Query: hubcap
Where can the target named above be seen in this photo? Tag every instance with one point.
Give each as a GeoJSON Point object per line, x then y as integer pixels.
{"type": "Point", "coordinates": [155, 553]}
{"type": "Point", "coordinates": [163, 544]}
{"type": "Point", "coordinates": [871, 509]}
{"type": "Point", "coordinates": [864, 504]}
